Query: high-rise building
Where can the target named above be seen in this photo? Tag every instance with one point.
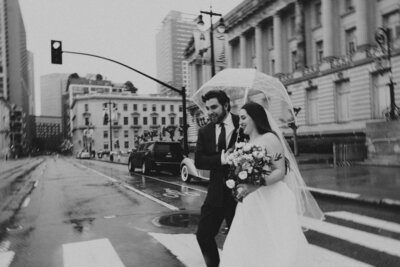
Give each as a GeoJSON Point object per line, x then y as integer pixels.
{"type": "Point", "coordinates": [31, 83]}
{"type": "Point", "coordinates": [176, 30]}
{"type": "Point", "coordinates": [51, 90]}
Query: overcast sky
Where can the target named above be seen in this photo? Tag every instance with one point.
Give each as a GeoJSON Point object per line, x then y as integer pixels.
{"type": "Point", "coordinates": [123, 30]}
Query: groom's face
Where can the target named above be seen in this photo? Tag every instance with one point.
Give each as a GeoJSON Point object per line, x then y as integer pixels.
{"type": "Point", "coordinates": [215, 111]}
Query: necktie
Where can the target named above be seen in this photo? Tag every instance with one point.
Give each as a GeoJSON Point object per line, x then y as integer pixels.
{"type": "Point", "coordinates": [221, 138]}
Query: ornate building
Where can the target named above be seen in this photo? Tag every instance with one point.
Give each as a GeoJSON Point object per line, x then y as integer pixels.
{"type": "Point", "coordinates": [326, 55]}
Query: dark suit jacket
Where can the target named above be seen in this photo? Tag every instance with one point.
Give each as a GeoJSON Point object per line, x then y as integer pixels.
{"type": "Point", "coordinates": [208, 158]}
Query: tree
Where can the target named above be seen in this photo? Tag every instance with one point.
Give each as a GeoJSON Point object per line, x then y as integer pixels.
{"type": "Point", "coordinates": [99, 77]}
{"type": "Point", "coordinates": [130, 87]}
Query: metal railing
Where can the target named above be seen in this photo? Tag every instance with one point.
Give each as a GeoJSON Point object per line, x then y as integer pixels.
{"type": "Point", "coordinates": [346, 154]}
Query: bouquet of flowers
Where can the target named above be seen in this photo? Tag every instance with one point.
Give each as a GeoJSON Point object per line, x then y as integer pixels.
{"type": "Point", "coordinates": [248, 163]}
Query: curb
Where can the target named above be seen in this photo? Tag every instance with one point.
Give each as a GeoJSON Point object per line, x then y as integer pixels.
{"type": "Point", "coordinates": [387, 202]}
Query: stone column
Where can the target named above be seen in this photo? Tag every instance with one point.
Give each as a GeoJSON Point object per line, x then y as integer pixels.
{"type": "Point", "coordinates": [278, 43]}
{"type": "Point", "coordinates": [259, 52]}
{"type": "Point", "coordinates": [242, 51]}
{"type": "Point", "coordinates": [228, 54]}
{"type": "Point", "coordinates": [362, 23]}
{"type": "Point", "coordinates": [327, 24]}
{"type": "Point", "coordinates": [299, 13]}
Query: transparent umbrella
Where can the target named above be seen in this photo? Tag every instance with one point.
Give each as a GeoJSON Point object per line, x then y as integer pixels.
{"type": "Point", "coordinates": [243, 85]}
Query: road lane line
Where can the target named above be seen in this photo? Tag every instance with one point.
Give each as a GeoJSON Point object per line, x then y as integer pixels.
{"type": "Point", "coordinates": [365, 220]}
{"type": "Point", "coordinates": [171, 207]}
{"type": "Point", "coordinates": [26, 202]}
{"type": "Point", "coordinates": [6, 258]}
{"type": "Point", "coordinates": [187, 250]}
{"type": "Point", "coordinates": [334, 193]}
{"type": "Point", "coordinates": [365, 239]}
{"type": "Point", "coordinates": [94, 253]}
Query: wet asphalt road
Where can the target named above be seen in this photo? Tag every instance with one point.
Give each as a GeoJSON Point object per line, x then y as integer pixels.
{"type": "Point", "coordinates": [82, 200]}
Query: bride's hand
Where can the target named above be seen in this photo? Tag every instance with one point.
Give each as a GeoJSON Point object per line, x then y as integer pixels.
{"type": "Point", "coordinates": [245, 189]}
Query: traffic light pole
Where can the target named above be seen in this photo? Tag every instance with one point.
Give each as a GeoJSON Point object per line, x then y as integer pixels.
{"type": "Point", "coordinates": [181, 92]}
{"type": "Point", "coordinates": [109, 120]}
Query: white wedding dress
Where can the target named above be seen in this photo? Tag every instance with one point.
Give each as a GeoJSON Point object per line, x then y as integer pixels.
{"type": "Point", "coordinates": [266, 231]}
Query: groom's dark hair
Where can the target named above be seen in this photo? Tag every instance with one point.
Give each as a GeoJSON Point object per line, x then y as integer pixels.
{"type": "Point", "coordinates": [259, 116]}
{"type": "Point", "coordinates": [220, 95]}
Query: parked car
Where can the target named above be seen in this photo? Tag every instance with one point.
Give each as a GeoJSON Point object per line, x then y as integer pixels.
{"type": "Point", "coordinates": [157, 156]}
{"type": "Point", "coordinates": [103, 153]}
{"type": "Point", "coordinates": [189, 171]}
{"type": "Point", "coordinates": [83, 155]}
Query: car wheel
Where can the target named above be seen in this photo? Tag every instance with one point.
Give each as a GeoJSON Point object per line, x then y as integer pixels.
{"type": "Point", "coordinates": [144, 168]}
{"type": "Point", "coordinates": [185, 176]}
{"type": "Point", "coordinates": [130, 166]}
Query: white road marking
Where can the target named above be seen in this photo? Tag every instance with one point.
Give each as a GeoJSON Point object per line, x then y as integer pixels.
{"type": "Point", "coordinates": [26, 202]}
{"type": "Point", "coordinates": [334, 193]}
{"type": "Point", "coordinates": [187, 250]}
{"type": "Point", "coordinates": [365, 220]}
{"type": "Point", "coordinates": [94, 253]}
{"type": "Point", "coordinates": [376, 242]}
{"type": "Point", "coordinates": [6, 258]}
{"type": "Point", "coordinates": [36, 183]}
{"type": "Point", "coordinates": [171, 207]}
{"type": "Point", "coordinates": [4, 246]}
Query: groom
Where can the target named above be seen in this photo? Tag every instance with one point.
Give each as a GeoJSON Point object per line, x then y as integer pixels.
{"type": "Point", "coordinates": [212, 142]}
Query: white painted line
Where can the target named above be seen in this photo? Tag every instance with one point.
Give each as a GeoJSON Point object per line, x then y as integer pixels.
{"type": "Point", "coordinates": [171, 207]}
{"type": "Point", "coordinates": [165, 204]}
{"type": "Point", "coordinates": [334, 193]}
{"type": "Point", "coordinates": [391, 201]}
{"type": "Point", "coordinates": [95, 253]}
{"type": "Point", "coordinates": [322, 257]}
{"type": "Point", "coordinates": [365, 220]}
{"type": "Point", "coordinates": [36, 183]}
{"type": "Point", "coordinates": [26, 202]}
{"type": "Point", "coordinates": [187, 250]}
{"type": "Point", "coordinates": [376, 242]}
{"type": "Point", "coordinates": [6, 258]}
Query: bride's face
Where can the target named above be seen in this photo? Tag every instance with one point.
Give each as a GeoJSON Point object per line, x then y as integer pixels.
{"type": "Point", "coordinates": [246, 122]}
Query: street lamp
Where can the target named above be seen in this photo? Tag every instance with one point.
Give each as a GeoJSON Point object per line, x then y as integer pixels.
{"type": "Point", "coordinates": [382, 37]}
{"type": "Point", "coordinates": [110, 121]}
{"type": "Point", "coordinates": [220, 29]}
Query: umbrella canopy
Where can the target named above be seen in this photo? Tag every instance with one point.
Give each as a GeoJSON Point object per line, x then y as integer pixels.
{"type": "Point", "coordinates": [243, 85]}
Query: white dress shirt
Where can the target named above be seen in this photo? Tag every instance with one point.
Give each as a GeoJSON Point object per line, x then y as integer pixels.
{"type": "Point", "coordinates": [229, 128]}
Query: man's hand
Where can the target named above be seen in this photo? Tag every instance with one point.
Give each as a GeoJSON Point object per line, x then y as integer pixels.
{"type": "Point", "coordinates": [224, 156]}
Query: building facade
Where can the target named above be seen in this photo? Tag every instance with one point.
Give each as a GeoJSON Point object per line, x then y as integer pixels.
{"type": "Point", "coordinates": [326, 55]}
{"type": "Point", "coordinates": [51, 89]}
{"type": "Point", "coordinates": [103, 117]}
{"type": "Point", "coordinates": [171, 40]}
{"type": "Point", "coordinates": [4, 128]}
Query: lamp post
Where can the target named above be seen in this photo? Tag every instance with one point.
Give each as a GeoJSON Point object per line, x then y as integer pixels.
{"type": "Point", "coordinates": [382, 37]}
{"type": "Point", "coordinates": [110, 122]}
{"type": "Point", "coordinates": [220, 29]}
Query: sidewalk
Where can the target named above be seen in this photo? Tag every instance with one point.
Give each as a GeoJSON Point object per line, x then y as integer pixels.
{"type": "Point", "coordinates": [359, 182]}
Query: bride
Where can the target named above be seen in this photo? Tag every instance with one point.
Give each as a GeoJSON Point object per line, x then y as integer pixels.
{"type": "Point", "coordinates": [266, 230]}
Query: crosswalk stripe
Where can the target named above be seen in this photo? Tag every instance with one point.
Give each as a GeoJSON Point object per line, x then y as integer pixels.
{"type": "Point", "coordinates": [186, 249]}
{"type": "Point", "coordinates": [365, 239]}
{"type": "Point", "coordinates": [365, 220]}
{"type": "Point", "coordinates": [6, 258]}
{"type": "Point", "coordinates": [94, 253]}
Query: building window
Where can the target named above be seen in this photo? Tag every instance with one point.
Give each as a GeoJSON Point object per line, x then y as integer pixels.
{"type": "Point", "coordinates": [126, 133]}
{"type": "Point", "coordinates": [162, 107]}
{"type": "Point", "coordinates": [180, 108]}
{"type": "Point", "coordinates": [312, 105]}
{"type": "Point", "coordinates": [348, 6]}
{"type": "Point", "coordinates": [105, 146]}
{"type": "Point", "coordinates": [135, 120]}
{"type": "Point", "coordinates": [163, 120]}
{"type": "Point", "coordinates": [319, 48]}
{"type": "Point", "coordinates": [318, 14]}
{"type": "Point", "coordinates": [294, 60]}
{"type": "Point", "coordinates": [116, 134]}
{"type": "Point", "coordinates": [292, 26]}
{"type": "Point", "coordinates": [144, 120]}
{"type": "Point", "coordinates": [180, 121]}
{"type": "Point", "coordinates": [154, 108]}
{"type": "Point", "coordinates": [271, 37]}
{"type": "Point", "coordinates": [350, 41]}
{"type": "Point", "coordinates": [392, 21]}
{"type": "Point", "coordinates": [134, 107]}
{"type": "Point", "coordinates": [172, 120]}
{"type": "Point", "coordinates": [105, 134]}
{"type": "Point", "coordinates": [154, 120]}
{"type": "Point", "coordinates": [86, 107]}
{"type": "Point", "coordinates": [86, 121]}
{"type": "Point", "coordinates": [343, 101]}
{"type": "Point", "coordinates": [126, 144]}
{"type": "Point", "coordinates": [126, 121]}
{"type": "Point", "coordinates": [144, 107]}
{"type": "Point", "coordinates": [125, 107]}
{"type": "Point", "coordinates": [171, 108]}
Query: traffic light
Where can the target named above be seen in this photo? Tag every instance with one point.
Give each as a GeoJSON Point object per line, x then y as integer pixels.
{"type": "Point", "coordinates": [56, 52]}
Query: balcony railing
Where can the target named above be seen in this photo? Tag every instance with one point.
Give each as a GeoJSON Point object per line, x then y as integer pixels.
{"type": "Point", "coordinates": [136, 126]}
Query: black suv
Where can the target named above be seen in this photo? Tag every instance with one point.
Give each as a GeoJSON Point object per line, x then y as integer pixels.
{"type": "Point", "coordinates": [157, 156]}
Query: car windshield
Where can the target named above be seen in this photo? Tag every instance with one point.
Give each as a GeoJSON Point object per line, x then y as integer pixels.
{"type": "Point", "coordinates": [174, 149]}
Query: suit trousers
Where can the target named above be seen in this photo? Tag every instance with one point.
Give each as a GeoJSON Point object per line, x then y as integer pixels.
{"type": "Point", "coordinates": [210, 222]}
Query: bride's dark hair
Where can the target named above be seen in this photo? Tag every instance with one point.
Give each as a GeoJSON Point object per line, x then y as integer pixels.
{"type": "Point", "coordinates": [259, 116]}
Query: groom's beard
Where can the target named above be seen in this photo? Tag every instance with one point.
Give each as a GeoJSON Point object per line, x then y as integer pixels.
{"type": "Point", "coordinates": [218, 118]}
